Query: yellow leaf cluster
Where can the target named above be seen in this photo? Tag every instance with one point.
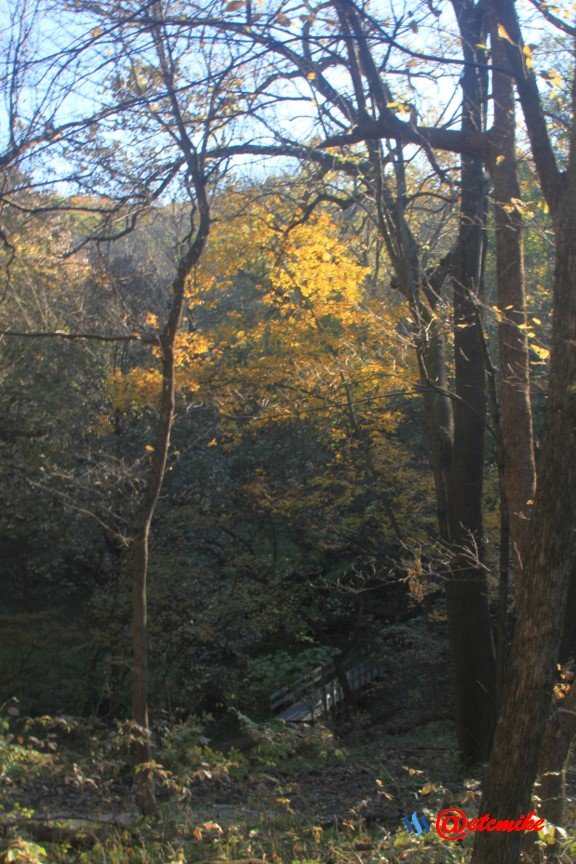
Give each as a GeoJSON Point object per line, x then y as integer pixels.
{"type": "Point", "coordinates": [315, 266]}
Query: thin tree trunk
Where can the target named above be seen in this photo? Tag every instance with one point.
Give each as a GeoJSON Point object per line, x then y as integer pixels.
{"type": "Point", "coordinates": [504, 553]}
{"type": "Point", "coordinates": [145, 512]}
{"type": "Point", "coordinates": [470, 631]}
{"type": "Point", "coordinates": [341, 675]}
{"type": "Point", "coordinates": [550, 786]}
{"type": "Point", "coordinates": [458, 478]}
{"type": "Point", "coordinates": [460, 495]}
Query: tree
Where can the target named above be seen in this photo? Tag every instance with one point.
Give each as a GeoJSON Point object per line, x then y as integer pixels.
{"type": "Point", "coordinates": [366, 103]}
{"type": "Point", "coordinates": [190, 105]}
{"type": "Point", "coordinates": [296, 355]}
{"type": "Point", "coordinates": [515, 403]}
{"type": "Point", "coordinates": [528, 690]}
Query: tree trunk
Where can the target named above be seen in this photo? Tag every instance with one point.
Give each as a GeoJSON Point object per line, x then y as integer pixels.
{"type": "Point", "coordinates": [515, 406]}
{"type": "Point", "coordinates": [527, 698]}
{"type": "Point", "coordinates": [437, 404]}
{"type": "Point", "coordinates": [550, 787]}
{"type": "Point", "coordinates": [504, 551]}
{"type": "Point", "coordinates": [469, 625]}
{"type": "Point", "coordinates": [459, 495]}
{"type": "Point", "coordinates": [340, 670]}
{"type": "Point", "coordinates": [147, 507]}
{"type": "Point", "coordinates": [568, 642]}
{"type": "Point", "coordinates": [139, 556]}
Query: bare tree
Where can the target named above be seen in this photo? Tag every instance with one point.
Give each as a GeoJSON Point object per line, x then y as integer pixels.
{"type": "Point", "coordinates": [170, 107]}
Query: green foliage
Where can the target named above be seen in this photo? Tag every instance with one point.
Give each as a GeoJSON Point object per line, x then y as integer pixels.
{"type": "Point", "coordinates": [278, 742]}
{"type": "Point", "coordinates": [185, 751]}
{"type": "Point", "coordinates": [269, 672]}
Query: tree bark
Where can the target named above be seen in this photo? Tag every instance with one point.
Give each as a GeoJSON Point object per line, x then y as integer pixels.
{"type": "Point", "coordinates": [550, 787]}
{"type": "Point", "coordinates": [459, 489]}
{"type": "Point", "coordinates": [167, 344]}
{"type": "Point", "coordinates": [527, 699]}
{"type": "Point", "coordinates": [456, 446]}
{"type": "Point", "coordinates": [504, 551]}
{"type": "Point", "coordinates": [568, 642]}
{"type": "Point", "coordinates": [433, 370]}
{"type": "Point", "coordinates": [515, 405]}
{"type": "Point", "coordinates": [469, 625]}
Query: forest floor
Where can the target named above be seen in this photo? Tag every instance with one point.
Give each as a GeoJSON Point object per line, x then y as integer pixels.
{"type": "Point", "coordinates": [291, 795]}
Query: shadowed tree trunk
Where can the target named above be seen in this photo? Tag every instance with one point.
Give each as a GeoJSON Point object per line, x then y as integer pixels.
{"type": "Point", "coordinates": [527, 705]}
{"type": "Point", "coordinates": [550, 787]}
{"type": "Point", "coordinates": [433, 370]}
{"type": "Point", "coordinates": [471, 643]}
{"type": "Point", "coordinates": [515, 406]}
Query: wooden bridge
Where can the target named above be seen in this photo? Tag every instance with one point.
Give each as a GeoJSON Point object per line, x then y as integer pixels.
{"type": "Point", "coordinates": [310, 696]}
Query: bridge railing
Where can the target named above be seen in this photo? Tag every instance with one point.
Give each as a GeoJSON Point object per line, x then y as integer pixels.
{"type": "Point", "coordinates": [317, 693]}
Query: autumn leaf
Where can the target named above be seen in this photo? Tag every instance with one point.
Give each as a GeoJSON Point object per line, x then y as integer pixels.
{"type": "Point", "coordinates": [503, 34]}
{"type": "Point", "coordinates": [553, 78]}
{"type": "Point", "coordinates": [151, 320]}
{"type": "Point", "coordinates": [398, 106]}
{"type": "Point", "coordinates": [528, 59]}
{"type": "Point", "coordinates": [413, 772]}
{"type": "Point", "coordinates": [542, 353]}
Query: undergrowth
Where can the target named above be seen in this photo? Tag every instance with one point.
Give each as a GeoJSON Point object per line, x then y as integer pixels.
{"type": "Point", "coordinates": [285, 794]}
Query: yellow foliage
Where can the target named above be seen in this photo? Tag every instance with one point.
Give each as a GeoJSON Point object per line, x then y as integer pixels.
{"type": "Point", "coordinates": [315, 266]}
{"type": "Point", "coordinates": [286, 330]}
